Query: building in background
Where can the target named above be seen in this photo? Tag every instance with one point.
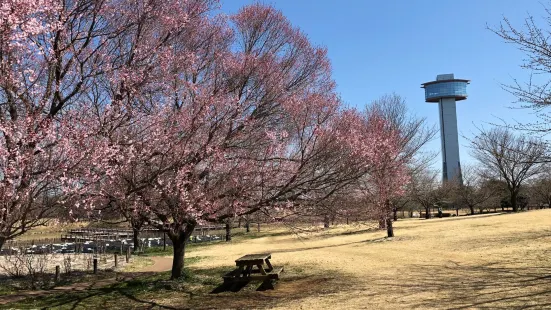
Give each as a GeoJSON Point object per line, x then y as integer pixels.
{"type": "Point", "coordinates": [446, 90]}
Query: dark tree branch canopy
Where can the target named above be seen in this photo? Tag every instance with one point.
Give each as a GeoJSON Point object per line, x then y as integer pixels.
{"type": "Point", "coordinates": [534, 39]}
{"type": "Point", "coordinates": [509, 157]}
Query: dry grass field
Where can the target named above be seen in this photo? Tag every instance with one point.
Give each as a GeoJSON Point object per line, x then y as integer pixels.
{"type": "Point", "coordinates": [478, 262]}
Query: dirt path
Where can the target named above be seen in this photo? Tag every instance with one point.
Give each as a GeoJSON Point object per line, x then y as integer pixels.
{"type": "Point", "coordinates": [160, 264]}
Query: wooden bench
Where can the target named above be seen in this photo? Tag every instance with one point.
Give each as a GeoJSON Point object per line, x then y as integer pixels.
{"type": "Point", "coordinates": [246, 272]}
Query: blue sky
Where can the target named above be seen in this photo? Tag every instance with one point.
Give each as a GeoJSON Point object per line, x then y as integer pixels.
{"type": "Point", "coordinates": [384, 46]}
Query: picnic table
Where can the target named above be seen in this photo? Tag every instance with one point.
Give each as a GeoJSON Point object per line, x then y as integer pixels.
{"type": "Point", "coordinates": [246, 270]}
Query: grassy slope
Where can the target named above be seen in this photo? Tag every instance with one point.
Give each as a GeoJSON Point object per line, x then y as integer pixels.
{"type": "Point", "coordinates": [500, 261]}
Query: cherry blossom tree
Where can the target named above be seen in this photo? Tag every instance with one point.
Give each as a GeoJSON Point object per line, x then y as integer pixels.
{"type": "Point", "coordinates": [50, 54]}
{"type": "Point", "coordinates": [61, 62]}
{"type": "Point", "coordinates": [188, 130]}
{"type": "Point", "coordinates": [404, 136]}
{"type": "Point", "coordinates": [388, 177]}
{"type": "Point", "coordinates": [248, 121]}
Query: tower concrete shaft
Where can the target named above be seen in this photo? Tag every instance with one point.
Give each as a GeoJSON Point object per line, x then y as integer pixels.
{"type": "Point", "coordinates": [451, 165]}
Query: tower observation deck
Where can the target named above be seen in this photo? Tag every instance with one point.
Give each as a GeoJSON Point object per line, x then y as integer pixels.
{"type": "Point", "coordinates": [446, 90]}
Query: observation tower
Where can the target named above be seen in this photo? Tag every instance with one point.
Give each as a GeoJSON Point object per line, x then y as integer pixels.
{"type": "Point", "coordinates": [446, 90]}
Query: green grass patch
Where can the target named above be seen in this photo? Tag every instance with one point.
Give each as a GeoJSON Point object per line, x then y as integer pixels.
{"type": "Point", "coordinates": [193, 260]}
{"type": "Point", "coordinates": [253, 234]}
{"type": "Point", "coordinates": [169, 251]}
{"type": "Point", "coordinates": [156, 251]}
{"type": "Point", "coordinates": [6, 289]}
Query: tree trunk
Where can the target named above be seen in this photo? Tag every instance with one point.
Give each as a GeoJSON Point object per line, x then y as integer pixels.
{"type": "Point", "coordinates": [427, 213]}
{"type": "Point", "coordinates": [247, 223]}
{"type": "Point", "coordinates": [2, 241]}
{"type": "Point", "coordinates": [514, 201]}
{"type": "Point", "coordinates": [472, 210]}
{"type": "Point", "coordinates": [456, 211]}
{"type": "Point", "coordinates": [179, 241]}
{"type": "Point", "coordinates": [137, 225]}
{"type": "Point", "coordinates": [346, 222]}
{"type": "Point", "coordinates": [326, 221]}
{"type": "Point", "coordinates": [228, 231]}
{"type": "Point", "coordinates": [410, 213]}
{"type": "Point", "coordinates": [178, 258]}
{"type": "Point", "coordinates": [389, 228]}
{"type": "Point", "coordinates": [135, 238]}
{"type": "Point", "coordinates": [239, 222]}
{"type": "Point", "coordinates": [395, 211]}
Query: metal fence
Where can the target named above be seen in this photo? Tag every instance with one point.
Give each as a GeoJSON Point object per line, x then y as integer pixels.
{"type": "Point", "coordinates": [106, 240]}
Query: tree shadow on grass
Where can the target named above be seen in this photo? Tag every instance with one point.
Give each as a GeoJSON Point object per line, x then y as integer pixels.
{"type": "Point", "coordinates": [480, 241]}
{"type": "Point", "coordinates": [262, 234]}
{"type": "Point", "coordinates": [121, 295]}
{"type": "Point", "coordinates": [154, 291]}
{"type": "Point", "coordinates": [261, 285]}
{"type": "Point", "coordinates": [380, 239]}
{"type": "Point", "coordinates": [437, 220]}
{"type": "Point", "coordinates": [229, 287]}
{"type": "Point", "coordinates": [356, 232]}
{"type": "Point", "coordinates": [287, 290]}
{"type": "Point", "coordinates": [457, 287]}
